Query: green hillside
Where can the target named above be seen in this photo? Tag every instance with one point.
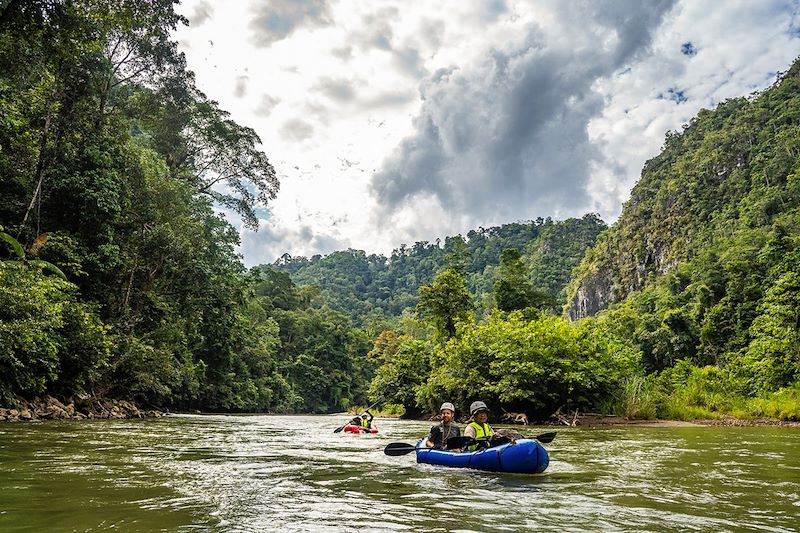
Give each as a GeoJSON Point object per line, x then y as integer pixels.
{"type": "Point", "coordinates": [371, 286]}
{"type": "Point", "coordinates": [704, 262]}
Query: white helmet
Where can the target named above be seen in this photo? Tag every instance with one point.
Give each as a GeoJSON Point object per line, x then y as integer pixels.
{"type": "Point", "coordinates": [477, 406]}
{"type": "Point", "coordinates": [447, 405]}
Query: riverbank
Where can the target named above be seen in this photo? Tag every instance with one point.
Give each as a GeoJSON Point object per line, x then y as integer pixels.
{"type": "Point", "coordinates": [78, 408]}
{"type": "Point", "coordinates": [593, 421]}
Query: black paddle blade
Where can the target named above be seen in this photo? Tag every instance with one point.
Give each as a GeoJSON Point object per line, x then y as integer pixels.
{"type": "Point", "coordinates": [337, 430]}
{"type": "Point", "coordinates": [546, 437]}
{"type": "Point", "coordinates": [398, 448]}
{"type": "Point", "coordinates": [459, 442]}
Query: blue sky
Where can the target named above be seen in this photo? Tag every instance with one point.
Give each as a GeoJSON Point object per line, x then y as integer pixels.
{"type": "Point", "coordinates": [393, 122]}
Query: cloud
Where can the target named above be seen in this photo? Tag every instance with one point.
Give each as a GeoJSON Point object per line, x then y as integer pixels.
{"type": "Point", "coordinates": [202, 12]}
{"type": "Point", "coordinates": [345, 53]}
{"type": "Point", "coordinates": [278, 19]}
{"type": "Point", "coordinates": [400, 97]}
{"type": "Point", "coordinates": [376, 30]}
{"type": "Point", "coordinates": [409, 61]}
{"type": "Point", "coordinates": [297, 130]}
{"type": "Point", "coordinates": [506, 137]}
{"type": "Point", "coordinates": [493, 9]}
{"type": "Point", "coordinates": [241, 86]}
{"type": "Point", "coordinates": [410, 121]}
{"type": "Point", "coordinates": [340, 90]}
{"type": "Point", "coordinates": [430, 31]}
{"type": "Point", "coordinates": [266, 106]}
{"type": "Point", "coordinates": [273, 239]}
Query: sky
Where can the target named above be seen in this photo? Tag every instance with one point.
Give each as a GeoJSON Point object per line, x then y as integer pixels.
{"type": "Point", "coordinates": [393, 122]}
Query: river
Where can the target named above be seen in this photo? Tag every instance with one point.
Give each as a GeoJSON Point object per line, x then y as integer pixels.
{"type": "Point", "coordinates": [292, 473]}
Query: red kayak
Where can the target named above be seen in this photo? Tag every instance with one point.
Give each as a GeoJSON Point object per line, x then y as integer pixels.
{"type": "Point", "coordinates": [350, 428]}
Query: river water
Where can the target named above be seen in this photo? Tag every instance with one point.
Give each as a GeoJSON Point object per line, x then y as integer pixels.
{"type": "Point", "coordinates": [292, 473]}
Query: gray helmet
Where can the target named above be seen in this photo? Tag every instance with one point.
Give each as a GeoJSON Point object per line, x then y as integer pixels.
{"type": "Point", "coordinates": [447, 405]}
{"type": "Point", "coordinates": [477, 406]}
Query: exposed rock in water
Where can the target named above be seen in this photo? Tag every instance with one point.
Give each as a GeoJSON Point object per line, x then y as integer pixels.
{"type": "Point", "coordinates": [80, 407]}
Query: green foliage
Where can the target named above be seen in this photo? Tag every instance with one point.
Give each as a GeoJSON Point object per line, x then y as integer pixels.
{"type": "Point", "coordinates": [372, 285]}
{"type": "Point", "coordinates": [637, 398]}
{"type": "Point", "coordinates": [688, 392]}
{"type": "Point", "coordinates": [19, 252]}
{"type": "Point", "coordinates": [110, 161]}
{"type": "Point", "coordinates": [322, 358]}
{"type": "Point", "coordinates": [783, 404]}
{"type": "Point", "coordinates": [772, 359]}
{"type": "Point", "coordinates": [553, 255]}
{"type": "Point", "coordinates": [444, 302]}
{"type": "Point", "coordinates": [703, 261]}
{"type": "Point", "coordinates": [48, 340]}
{"type": "Point", "coordinates": [145, 372]}
{"type": "Point", "coordinates": [537, 365]}
{"type": "Point", "coordinates": [512, 290]}
{"type": "Point", "coordinates": [405, 370]}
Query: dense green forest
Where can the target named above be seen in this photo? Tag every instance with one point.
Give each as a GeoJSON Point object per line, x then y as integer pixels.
{"type": "Point", "coordinates": [118, 278]}
{"type": "Point", "coordinates": [372, 288]}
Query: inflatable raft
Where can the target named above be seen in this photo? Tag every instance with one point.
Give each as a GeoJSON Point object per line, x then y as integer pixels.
{"type": "Point", "coordinates": [350, 428]}
{"type": "Point", "coordinates": [526, 456]}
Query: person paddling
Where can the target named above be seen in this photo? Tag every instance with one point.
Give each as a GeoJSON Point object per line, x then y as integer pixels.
{"type": "Point", "coordinates": [446, 429]}
{"type": "Point", "coordinates": [364, 420]}
{"type": "Point", "coordinates": [479, 427]}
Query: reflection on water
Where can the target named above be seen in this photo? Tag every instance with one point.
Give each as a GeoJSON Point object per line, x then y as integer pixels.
{"type": "Point", "coordinates": [292, 473]}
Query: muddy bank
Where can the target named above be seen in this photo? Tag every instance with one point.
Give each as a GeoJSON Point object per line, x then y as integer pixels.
{"type": "Point", "coordinates": [76, 408]}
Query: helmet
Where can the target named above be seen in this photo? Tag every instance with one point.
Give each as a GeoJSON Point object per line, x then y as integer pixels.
{"type": "Point", "coordinates": [477, 406]}
{"type": "Point", "coordinates": [364, 415]}
{"type": "Point", "coordinates": [447, 405]}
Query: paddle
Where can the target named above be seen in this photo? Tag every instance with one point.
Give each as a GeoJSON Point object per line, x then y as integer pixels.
{"type": "Point", "coordinates": [337, 430]}
{"type": "Point", "coordinates": [402, 448]}
{"type": "Point", "coordinates": [464, 440]}
{"type": "Point", "coordinates": [398, 448]}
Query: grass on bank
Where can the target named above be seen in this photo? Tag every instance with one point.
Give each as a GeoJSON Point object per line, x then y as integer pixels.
{"type": "Point", "coordinates": [686, 392]}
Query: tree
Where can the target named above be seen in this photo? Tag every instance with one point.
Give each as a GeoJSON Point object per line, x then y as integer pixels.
{"type": "Point", "coordinates": [772, 359]}
{"type": "Point", "coordinates": [205, 148]}
{"type": "Point", "coordinates": [445, 301]}
{"type": "Point", "coordinates": [512, 290]}
{"type": "Point", "coordinates": [406, 367]}
{"type": "Point", "coordinates": [534, 365]}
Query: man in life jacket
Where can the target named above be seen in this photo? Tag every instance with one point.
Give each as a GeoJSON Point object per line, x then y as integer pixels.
{"type": "Point", "coordinates": [446, 429]}
{"type": "Point", "coordinates": [479, 428]}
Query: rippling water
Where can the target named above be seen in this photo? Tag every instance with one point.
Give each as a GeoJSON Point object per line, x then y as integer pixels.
{"type": "Point", "coordinates": [292, 473]}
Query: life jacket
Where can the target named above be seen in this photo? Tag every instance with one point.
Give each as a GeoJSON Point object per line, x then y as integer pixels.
{"type": "Point", "coordinates": [480, 432]}
{"type": "Point", "coordinates": [365, 423]}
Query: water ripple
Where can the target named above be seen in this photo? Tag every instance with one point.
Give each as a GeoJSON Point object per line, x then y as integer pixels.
{"type": "Point", "coordinates": [292, 473]}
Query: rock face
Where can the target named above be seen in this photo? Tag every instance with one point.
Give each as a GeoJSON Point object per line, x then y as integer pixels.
{"type": "Point", "coordinates": [594, 294]}
{"type": "Point", "coordinates": [79, 408]}
{"type": "Point", "coordinates": [615, 276]}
